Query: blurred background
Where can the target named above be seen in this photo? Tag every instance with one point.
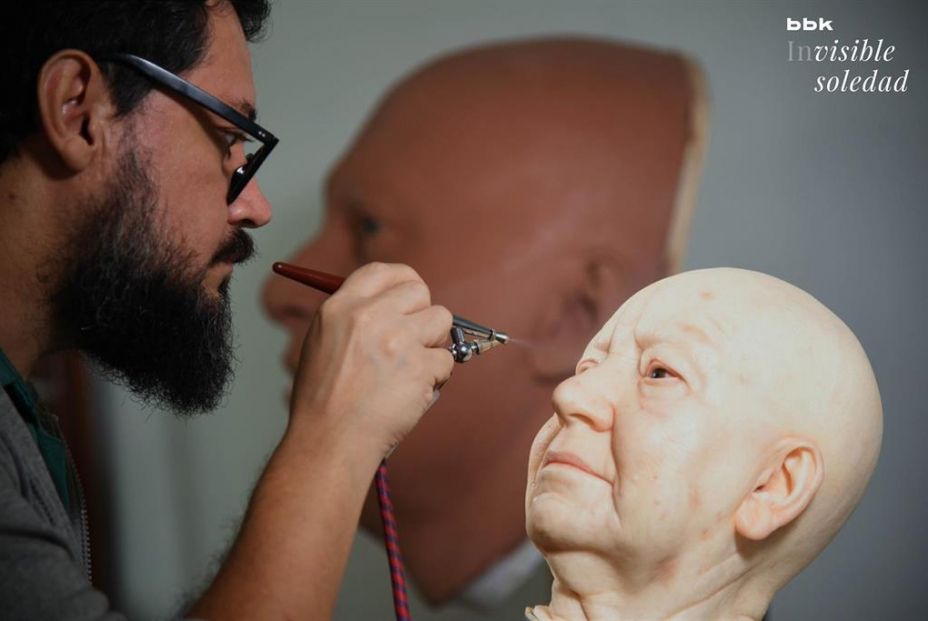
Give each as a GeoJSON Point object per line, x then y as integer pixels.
{"type": "Point", "coordinates": [826, 191]}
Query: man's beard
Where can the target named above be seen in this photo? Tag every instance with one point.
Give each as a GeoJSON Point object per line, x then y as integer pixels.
{"type": "Point", "coordinates": [134, 301]}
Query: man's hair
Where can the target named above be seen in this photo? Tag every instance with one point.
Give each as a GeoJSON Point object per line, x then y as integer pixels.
{"type": "Point", "coordinates": [170, 33]}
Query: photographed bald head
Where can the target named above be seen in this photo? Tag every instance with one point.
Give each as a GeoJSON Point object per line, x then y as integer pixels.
{"type": "Point", "coordinates": [534, 185]}
{"type": "Point", "coordinates": [718, 432]}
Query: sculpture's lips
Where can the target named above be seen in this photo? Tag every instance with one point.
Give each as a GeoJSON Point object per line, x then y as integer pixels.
{"type": "Point", "coordinates": [569, 459]}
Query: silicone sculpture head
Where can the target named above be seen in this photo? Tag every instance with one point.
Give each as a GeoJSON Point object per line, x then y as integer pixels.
{"type": "Point", "coordinates": [719, 430]}
{"type": "Point", "coordinates": [534, 185]}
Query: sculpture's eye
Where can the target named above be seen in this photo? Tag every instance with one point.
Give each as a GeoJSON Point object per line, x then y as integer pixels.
{"type": "Point", "coordinates": [659, 380]}
{"type": "Point", "coordinates": [657, 371]}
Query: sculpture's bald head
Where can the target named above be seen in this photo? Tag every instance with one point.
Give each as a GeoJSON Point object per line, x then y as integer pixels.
{"type": "Point", "coordinates": [534, 185]}
{"type": "Point", "coordinates": [801, 366]}
{"type": "Point", "coordinates": [732, 422]}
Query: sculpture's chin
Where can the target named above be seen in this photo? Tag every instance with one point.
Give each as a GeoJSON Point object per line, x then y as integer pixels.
{"type": "Point", "coordinates": [551, 529]}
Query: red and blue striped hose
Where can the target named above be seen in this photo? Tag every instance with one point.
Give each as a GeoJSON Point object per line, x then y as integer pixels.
{"type": "Point", "coordinates": [391, 539]}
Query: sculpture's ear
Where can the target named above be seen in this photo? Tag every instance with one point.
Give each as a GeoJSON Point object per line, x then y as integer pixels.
{"type": "Point", "coordinates": [586, 299]}
{"type": "Point", "coordinates": [782, 491]}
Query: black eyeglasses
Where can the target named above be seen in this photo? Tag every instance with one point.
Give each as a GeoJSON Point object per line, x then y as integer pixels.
{"type": "Point", "coordinates": [253, 161]}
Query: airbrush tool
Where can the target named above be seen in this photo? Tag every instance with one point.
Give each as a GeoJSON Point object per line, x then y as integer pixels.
{"type": "Point", "coordinates": [463, 350]}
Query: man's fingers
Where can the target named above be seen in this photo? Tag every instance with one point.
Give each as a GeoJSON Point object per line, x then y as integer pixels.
{"type": "Point", "coordinates": [441, 362]}
{"type": "Point", "coordinates": [374, 278]}
{"type": "Point", "coordinates": [404, 298]}
{"type": "Point", "coordinates": [432, 325]}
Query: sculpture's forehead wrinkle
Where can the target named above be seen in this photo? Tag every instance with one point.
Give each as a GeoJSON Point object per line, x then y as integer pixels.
{"type": "Point", "coordinates": [770, 331]}
{"type": "Point", "coordinates": [744, 315]}
{"type": "Point", "coordinates": [689, 310]}
{"type": "Point", "coordinates": [624, 320]}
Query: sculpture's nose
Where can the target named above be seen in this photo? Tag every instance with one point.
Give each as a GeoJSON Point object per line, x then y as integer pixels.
{"type": "Point", "coordinates": [579, 399]}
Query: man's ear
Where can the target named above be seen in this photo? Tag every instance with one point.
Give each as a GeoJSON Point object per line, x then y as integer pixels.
{"type": "Point", "coordinates": [74, 107]}
{"type": "Point", "coordinates": [783, 491]}
{"type": "Point", "coordinates": [580, 304]}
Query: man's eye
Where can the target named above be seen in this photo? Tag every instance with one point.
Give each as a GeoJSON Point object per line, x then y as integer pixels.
{"type": "Point", "coordinates": [233, 138]}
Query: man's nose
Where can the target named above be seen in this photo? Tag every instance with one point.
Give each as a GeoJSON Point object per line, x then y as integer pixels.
{"type": "Point", "coordinates": [251, 208]}
{"type": "Point", "coordinates": [580, 400]}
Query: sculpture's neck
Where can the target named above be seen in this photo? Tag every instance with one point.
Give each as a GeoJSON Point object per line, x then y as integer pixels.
{"type": "Point", "coordinates": [586, 593]}
{"type": "Point", "coordinates": [549, 613]}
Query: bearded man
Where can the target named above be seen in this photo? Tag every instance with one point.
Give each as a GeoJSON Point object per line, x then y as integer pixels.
{"type": "Point", "coordinates": [128, 147]}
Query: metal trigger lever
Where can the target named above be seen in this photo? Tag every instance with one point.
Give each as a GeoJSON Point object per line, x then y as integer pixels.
{"type": "Point", "coordinates": [486, 338]}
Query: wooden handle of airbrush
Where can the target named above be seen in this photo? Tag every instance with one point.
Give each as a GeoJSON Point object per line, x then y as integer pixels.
{"type": "Point", "coordinates": [327, 283]}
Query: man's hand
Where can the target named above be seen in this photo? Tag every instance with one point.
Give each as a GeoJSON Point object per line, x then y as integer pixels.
{"type": "Point", "coordinates": [373, 357]}
{"type": "Point", "coordinates": [368, 371]}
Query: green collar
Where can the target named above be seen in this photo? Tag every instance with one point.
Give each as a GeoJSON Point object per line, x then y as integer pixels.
{"type": "Point", "coordinates": [41, 424]}
{"type": "Point", "coordinates": [13, 381]}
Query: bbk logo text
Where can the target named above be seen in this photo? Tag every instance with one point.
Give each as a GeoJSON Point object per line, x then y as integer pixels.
{"type": "Point", "coordinates": [804, 23]}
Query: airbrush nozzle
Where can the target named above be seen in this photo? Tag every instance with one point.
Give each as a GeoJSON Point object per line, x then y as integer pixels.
{"type": "Point", "coordinates": [483, 345]}
{"type": "Point", "coordinates": [491, 340]}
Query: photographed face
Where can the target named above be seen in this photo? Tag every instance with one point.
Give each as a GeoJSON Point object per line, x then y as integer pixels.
{"type": "Point", "coordinates": [487, 194]}
{"type": "Point", "coordinates": [652, 445]}
{"type": "Point", "coordinates": [412, 190]}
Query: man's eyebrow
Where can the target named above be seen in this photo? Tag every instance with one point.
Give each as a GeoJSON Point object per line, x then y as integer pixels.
{"type": "Point", "coordinates": [246, 108]}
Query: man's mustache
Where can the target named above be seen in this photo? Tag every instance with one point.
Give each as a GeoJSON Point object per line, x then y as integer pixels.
{"type": "Point", "coordinates": [240, 247]}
